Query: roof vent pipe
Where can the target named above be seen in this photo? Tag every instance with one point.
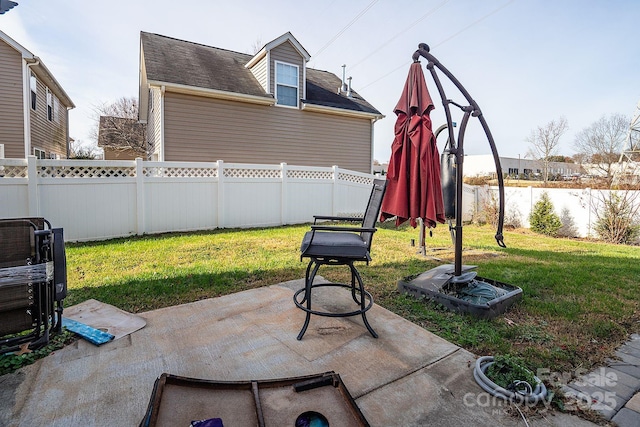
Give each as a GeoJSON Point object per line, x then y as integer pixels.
{"type": "Point", "coordinates": [349, 89]}
{"type": "Point", "coordinates": [342, 84]}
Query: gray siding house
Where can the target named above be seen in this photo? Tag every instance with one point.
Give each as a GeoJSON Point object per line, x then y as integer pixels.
{"type": "Point", "coordinates": [34, 109]}
{"type": "Point", "coordinates": [203, 103]}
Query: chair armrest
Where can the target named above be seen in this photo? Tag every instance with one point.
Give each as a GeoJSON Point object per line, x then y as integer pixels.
{"type": "Point", "coordinates": [337, 218]}
{"type": "Point", "coordinates": [349, 229]}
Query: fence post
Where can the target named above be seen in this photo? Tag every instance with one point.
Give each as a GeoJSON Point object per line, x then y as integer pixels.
{"type": "Point", "coordinates": [334, 201]}
{"type": "Point", "coordinates": [32, 186]}
{"type": "Point", "coordinates": [590, 207]}
{"type": "Point", "coordinates": [283, 195]}
{"type": "Point", "coordinates": [221, 219]}
{"type": "Point", "coordinates": [476, 203]}
{"type": "Point", "coordinates": [140, 208]}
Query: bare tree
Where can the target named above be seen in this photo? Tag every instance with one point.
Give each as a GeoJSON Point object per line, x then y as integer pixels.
{"type": "Point", "coordinates": [601, 143]}
{"type": "Point", "coordinates": [118, 129]}
{"type": "Point", "coordinates": [81, 151]}
{"type": "Point", "coordinates": [545, 141]}
{"type": "Point", "coordinates": [256, 46]}
{"type": "Point", "coordinates": [617, 215]}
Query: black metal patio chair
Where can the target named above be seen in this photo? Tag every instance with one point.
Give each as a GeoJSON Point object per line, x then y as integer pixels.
{"type": "Point", "coordinates": [33, 282]}
{"type": "Point", "coordinates": [340, 245]}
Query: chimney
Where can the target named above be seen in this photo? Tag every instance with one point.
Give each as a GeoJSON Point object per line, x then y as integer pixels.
{"type": "Point", "coordinates": [349, 89]}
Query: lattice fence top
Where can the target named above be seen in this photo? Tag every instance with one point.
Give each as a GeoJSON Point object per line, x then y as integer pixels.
{"type": "Point", "coordinates": [127, 169]}
{"type": "Point", "coordinates": [358, 179]}
{"type": "Point", "coordinates": [180, 172]}
{"type": "Point", "coordinates": [252, 173]}
{"type": "Point", "coordinates": [309, 174]}
{"type": "Point", "coordinates": [86, 171]}
{"type": "Point", "coordinates": [13, 171]}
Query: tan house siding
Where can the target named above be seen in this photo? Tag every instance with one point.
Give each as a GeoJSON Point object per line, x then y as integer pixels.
{"type": "Point", "coordinates": [120, 154]}
{"type": "Point", "coordinates": [206, 129]}
{"type": "Point", "coordinates": [48, 135]}
{"type": "Point", "coordinates": [287, 53]}
{"type": "Point", "coordinates": [11, 102]}
{"type": "Point", "coordinates": [260, 72]}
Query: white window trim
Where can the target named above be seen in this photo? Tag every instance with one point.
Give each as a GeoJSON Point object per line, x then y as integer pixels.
{"type": "Point", "coordinates": [56, 107]}
{"type": "Point", "coordinates": [275, 82]}
{"type": "Point", "coordinates": [38, 150]}
{"type": "Point", "coordinates": [49, 105]}
{"type": "Point", "coordinates": [1, 151]}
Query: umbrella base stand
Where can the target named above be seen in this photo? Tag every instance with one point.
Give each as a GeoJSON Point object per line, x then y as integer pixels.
{"type": "Point", "coordinates": [466, 293]}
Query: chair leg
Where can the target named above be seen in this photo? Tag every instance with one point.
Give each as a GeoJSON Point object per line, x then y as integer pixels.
{"type": "Point", "coordinates": [362, 301]}
{"type": "Point", "coordinates": [353, 284]}
{"type": "Point", "coordinates": [307, 295]}
{"type": "Point", "coordinates": [306, 280]}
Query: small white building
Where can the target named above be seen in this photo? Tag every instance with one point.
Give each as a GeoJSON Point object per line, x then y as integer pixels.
{"type": "Point", "coordinates": [484, 165]}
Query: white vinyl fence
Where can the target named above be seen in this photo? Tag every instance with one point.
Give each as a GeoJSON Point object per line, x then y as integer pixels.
{"type": "Point", "coordinates": [579, 205]}
{"type": "Point", "coordinates": [95, 200]}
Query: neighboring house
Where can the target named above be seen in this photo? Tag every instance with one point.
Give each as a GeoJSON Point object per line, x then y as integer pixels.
{"type": "Point", "coordinates": [34, 109]}
{"type": "Point", "coordinates": [203, 103]}
{"type": "Point", "coordinates": [484, 165]}
{"type": "Point", "coordinates": [122, 138]}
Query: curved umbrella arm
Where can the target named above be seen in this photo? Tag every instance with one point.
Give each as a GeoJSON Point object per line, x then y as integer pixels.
{"type": "Point", "coordinates": [474, 109]}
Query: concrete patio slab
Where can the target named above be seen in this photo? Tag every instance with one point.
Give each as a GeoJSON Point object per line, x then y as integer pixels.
{"type": "Point", "coordinates": [407, 377]}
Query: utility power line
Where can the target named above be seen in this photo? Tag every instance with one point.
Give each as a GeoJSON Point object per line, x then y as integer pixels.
{"type": "Point", "coordinates": [422, 18]}
{"type": "Point", "coordinates": [334, 38]}
{"type": "Point", "coordinates": [441, 42]}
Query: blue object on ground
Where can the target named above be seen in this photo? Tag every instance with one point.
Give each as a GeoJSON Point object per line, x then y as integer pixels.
{"type": "Point", "coordinates": [93, 335]}
{"type": "Point", "coordinates": [211, 422]}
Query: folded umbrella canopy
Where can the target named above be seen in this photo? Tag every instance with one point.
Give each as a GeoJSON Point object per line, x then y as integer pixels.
{"type": "Point", "coordinates": [413, 178]}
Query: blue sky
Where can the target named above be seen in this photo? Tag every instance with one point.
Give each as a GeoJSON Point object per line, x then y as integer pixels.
{"type": "Point", "coordinates": [525, 62]}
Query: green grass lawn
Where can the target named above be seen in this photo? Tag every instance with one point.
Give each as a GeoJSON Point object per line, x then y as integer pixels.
{"type": "Point", "coordinates": [581, 298]}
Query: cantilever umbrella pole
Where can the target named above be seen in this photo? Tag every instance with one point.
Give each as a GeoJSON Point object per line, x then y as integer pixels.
{"type": "Point", "coordinates": [423, 50]}
{"type": "Point", "coordinates": [459, 182]}
{"type": "Point", "coordinates": [473, 110]}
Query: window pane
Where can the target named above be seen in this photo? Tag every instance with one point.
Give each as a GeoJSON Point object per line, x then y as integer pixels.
{"type": "Point", "coordinates": [287, 95]}
{"type": "Point", "coordinates": [287, 74]}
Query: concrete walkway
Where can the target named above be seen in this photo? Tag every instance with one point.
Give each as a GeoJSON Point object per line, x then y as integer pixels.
{"type": "Point", "coordinates": [407, 377]}
{"type": "Point", "coordinates": [613, 390]}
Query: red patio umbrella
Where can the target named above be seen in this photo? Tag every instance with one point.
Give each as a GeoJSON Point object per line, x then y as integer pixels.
{"type": "Point", "coordinates": [413, 177]}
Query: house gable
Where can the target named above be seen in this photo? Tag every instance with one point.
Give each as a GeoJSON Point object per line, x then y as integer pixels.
{"type": "Point", "coordinates": [284, 53]}
{"type": "Point", "coordinates": [11, 102]}
{"type": "Point", "coordinates": [41, 127]}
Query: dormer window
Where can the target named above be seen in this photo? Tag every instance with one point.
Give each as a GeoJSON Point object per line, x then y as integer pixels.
{"type": "Point", "coordinates": [287, 84]}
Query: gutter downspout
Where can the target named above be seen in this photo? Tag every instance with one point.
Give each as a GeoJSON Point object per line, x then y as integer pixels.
{"type": "Point", "coordinates": [162, 90]}
{"type": "Point", "coordinates": [68, 136]}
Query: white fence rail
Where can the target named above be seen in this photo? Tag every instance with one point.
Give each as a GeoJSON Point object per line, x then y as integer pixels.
{"type": "Point", "coordinates": [95, 200]}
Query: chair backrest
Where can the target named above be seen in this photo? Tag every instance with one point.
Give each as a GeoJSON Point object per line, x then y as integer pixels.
{"type": "Point", "coordinates": [17, 242]}
{"type": "Point", "coordinates": [373, 209]}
